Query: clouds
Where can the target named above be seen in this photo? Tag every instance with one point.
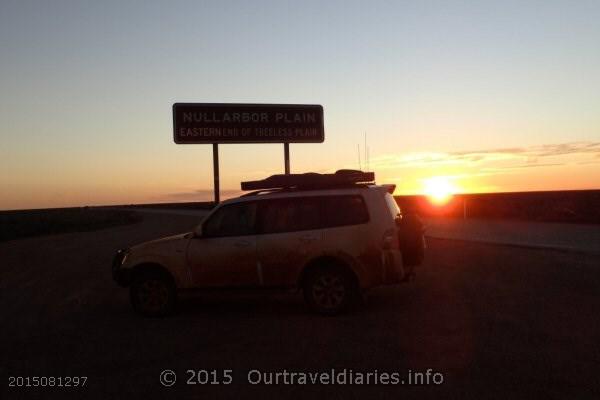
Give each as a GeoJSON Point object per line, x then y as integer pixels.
{"type": "Point", "coordinates": [492, 169]}
{"type": "Point", "coordinates": [509, 158]}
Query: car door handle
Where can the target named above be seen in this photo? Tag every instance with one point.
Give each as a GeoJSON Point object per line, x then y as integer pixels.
{"type": "Point", "coordinates": [307, 238]}
{"type": "Point", "coordinates": [242, 243]}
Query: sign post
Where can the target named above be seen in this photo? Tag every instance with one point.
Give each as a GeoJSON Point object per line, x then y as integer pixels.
{"type": "Point", "coordinates": [286, 157]}
{"type": "Point", "coordinates": [216, 173]}
{"type": "Point", "coordinates": [221, 123]}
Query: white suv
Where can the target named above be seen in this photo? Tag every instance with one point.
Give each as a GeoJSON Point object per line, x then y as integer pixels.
{"type": "Point", "coordinates": [332, 241]}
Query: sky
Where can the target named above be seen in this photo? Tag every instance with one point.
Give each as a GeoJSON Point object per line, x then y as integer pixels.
{"type": "Point", "coordinates": [489, 96]}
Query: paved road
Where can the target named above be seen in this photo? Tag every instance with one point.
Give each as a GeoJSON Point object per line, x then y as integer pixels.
{"type": "Point", "coordinates": [498, 322]}
{"type": "Point", "coordinates": [570, 237]}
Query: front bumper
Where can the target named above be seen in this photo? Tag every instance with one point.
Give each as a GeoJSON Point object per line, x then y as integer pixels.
{"type": "Point", "coordinates": [121, 275]}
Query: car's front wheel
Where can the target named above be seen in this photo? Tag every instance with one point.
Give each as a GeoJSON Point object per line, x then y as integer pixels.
{"type": "Point", "coordinates": [329, 291]}
{"type": "Point", "coordinates": [153, 294]}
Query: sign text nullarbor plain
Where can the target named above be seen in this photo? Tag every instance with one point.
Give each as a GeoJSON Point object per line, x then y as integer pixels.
{"type": "Point", "coordinates": [244, 117]}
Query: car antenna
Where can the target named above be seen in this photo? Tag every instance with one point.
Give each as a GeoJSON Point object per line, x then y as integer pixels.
{"type": "Point", "coordinates": [366, 153]}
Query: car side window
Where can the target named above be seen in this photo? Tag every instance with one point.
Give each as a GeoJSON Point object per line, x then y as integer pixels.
{"type": "Point", "coordinates": [289, 215]}
{"type": "Point", "coordinates": [344, 210]}
{"type": "Point", "coordinates": [232, 220]}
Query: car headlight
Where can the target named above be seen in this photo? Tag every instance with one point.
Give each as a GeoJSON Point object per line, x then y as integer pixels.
{"type": "Point", "coordinates": [120, 257]}
{"type": "Point", "coordinates": [125, 256]}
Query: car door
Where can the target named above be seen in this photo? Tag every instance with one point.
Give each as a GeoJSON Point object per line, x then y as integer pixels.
{"type": "Point", "coordinates": [225, 254]}
{"type": "Point", "coordinates": [288, 236]}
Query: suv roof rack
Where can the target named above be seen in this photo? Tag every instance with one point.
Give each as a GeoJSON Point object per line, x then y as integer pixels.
{"type": "Point", "coordinates": [312, 180]}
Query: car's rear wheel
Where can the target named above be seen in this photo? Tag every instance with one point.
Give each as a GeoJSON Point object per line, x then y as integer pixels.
{"type": "Point", "coordinates": [153, 294]}
{"type": "Point", "coordinates": [329, 290]}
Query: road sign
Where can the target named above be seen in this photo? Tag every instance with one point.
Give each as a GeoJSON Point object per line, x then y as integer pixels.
{"type": "Point", "coordinates": [195, 123]}
{"type": "Point", "coordinates": [216, 123]}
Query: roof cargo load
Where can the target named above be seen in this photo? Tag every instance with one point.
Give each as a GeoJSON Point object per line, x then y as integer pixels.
{"type": "Point", "coordinates": [343, 177]}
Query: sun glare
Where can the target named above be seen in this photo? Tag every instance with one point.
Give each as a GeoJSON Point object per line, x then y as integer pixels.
{"type": "Point", "coordinates": [439, 189]}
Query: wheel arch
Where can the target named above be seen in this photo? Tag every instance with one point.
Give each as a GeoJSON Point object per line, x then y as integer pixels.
{"type": "Point", "coordinates": [151, 267]}
{"type": "Point", "coordinates": [327, 261]}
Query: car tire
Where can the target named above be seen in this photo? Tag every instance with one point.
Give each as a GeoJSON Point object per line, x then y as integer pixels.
{"type": "Point", "coordinates": [330, 290]}
{"type": "Point", "coordinates": [153, 294]}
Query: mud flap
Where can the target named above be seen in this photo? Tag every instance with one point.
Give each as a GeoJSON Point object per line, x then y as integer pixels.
{"type": "Point", "coordinates": [412, 240]}
{"type": "Point", "coordinates": [393, 267]}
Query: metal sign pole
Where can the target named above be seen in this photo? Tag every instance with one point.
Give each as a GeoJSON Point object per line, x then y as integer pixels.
{"type": "Point", "coordinates": [216, 172]}
{"type": "Point", "coordinates": [286, 157]}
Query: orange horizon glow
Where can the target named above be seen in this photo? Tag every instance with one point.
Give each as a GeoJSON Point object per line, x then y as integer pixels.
{"type": "Point", "coordinates": [177, 175]}
{"type": "Point", "coordinates": [439, 189]}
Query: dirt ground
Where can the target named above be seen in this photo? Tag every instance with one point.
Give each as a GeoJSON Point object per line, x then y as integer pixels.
{"type": "Point", "coordinates": [497, 321]}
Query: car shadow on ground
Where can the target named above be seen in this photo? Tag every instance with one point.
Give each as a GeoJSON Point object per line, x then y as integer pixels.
{"type": "Point", "coordinates": [291, 305]}
{"type": "Point", "coordinates": [236, 305]}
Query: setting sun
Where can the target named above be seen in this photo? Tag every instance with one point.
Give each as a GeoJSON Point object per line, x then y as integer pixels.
{"type": "Point", "coordinates": [439, 189]}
